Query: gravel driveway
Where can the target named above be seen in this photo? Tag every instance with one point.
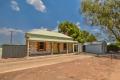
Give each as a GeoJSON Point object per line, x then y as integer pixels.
{"type": "Point", "coordinates": [79, 68]}
{"type": "Point", "coordinates": [37, 62]}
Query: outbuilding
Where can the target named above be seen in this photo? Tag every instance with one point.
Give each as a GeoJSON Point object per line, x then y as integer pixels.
{"type": "Point", "coordinates": [13, 51]}
{"type": "Point", "coordinates": [99, 47]}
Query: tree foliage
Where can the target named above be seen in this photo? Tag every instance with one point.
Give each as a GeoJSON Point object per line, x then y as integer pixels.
{"type": "Point", "coordinates": [103, 13]}
{"type": "Point", "coordinates": [72, 30]}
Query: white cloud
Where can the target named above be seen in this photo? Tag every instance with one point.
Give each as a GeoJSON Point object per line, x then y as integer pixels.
{"type": "Point", "coordinates": [14, 5]}
{"type": "Point", "coordinates": [6, 31]}
{"type": "Point", "coordinates": [55, 29]}
{"type": "Point", "coordinates": [95, 30]}
{"type": "Point", "coordinates": [78, 24]}
{"type": "Point", "coordinates": [34, 30]}
{"type": "Point", "coordinates": [38, 4]}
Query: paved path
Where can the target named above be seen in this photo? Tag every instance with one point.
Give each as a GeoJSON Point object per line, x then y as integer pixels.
{"type": "Point", "coordinates": [37, 62]}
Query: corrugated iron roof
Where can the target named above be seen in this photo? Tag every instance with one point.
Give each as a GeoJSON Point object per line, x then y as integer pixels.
{"type": "Point", "coordinates": [48, 33]}
{"type": "Point", "coordinates": [44, 35]}
{"type": "Point", "coordinates": [95, 42]}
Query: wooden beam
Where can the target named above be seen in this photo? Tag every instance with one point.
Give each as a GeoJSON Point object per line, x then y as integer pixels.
{"type": "Point", "coordinates": [59, 48]}
{"type": "Point", "coordinates": [78, 48]}
{"type": "Point", "coordinates": [28, 47]}
{"type": "Point", "coordinates": [51, 48]}
{"type": "Point", "coordinates": [73, 47]}
{"type": "Point", "coordinates": [67, 48]}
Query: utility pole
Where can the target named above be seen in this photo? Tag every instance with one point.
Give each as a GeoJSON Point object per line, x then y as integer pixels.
{"type": "Point", "coordinates": [11, 37]}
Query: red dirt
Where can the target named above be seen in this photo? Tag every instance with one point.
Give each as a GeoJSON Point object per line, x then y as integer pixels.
{"type": "Point", "coordinates": [86, 69]}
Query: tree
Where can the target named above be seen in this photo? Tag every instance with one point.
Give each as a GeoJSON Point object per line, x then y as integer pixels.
{"type": "Point", "coordinates": [72, 30]}
{"type": "Point", "coordinates": [68, 28]}
{"type": "Point", "coordinates": [103, 13]}
{"type": "Point", "coordinates": [91, 38]}
{"type": "Point", "coordinates": [85, 36]}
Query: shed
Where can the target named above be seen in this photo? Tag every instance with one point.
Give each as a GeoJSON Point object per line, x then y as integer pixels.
{"type": "Point", "coordinates": [0, 52]}
{"type": "Point", "coordinates": [13, 51]}
{"type": "Point", "coordinates": [99, 47]}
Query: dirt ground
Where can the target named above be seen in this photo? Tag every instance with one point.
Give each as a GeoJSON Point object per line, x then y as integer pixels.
{"type": "Point", "coordinates": [94, 68]}
{"type": "Point", "coordinates": [10, 65]}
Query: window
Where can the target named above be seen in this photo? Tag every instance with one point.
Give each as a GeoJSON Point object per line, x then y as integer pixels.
{"type": "Point", "coordinates": [41, 45]}
{"type": "Point", "coordinates": [64, 46]}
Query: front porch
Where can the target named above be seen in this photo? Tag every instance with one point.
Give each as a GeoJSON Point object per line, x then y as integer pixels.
{"type": "Point", "coordinates": [49, 48]}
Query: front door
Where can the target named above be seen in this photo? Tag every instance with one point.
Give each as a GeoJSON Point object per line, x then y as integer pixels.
{"type": "Point", "coordinates": [75, 48]}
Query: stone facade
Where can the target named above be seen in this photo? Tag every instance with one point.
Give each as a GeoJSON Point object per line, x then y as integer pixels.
{"type": "Point", "coordinates": [57, 48]}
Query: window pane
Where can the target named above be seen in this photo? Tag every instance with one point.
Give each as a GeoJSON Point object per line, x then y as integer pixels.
{"type": "Point", "coordinates": [42, 46]}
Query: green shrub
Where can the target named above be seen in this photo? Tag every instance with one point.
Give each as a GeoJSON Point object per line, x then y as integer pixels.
{"type": "Point", "coordinates": [118, 43]}
{"type": "Point", "coordinates": [113, 47]}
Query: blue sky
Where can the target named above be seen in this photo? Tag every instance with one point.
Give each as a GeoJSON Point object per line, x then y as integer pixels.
{"type": "Point", "coordinates": [24, 15]}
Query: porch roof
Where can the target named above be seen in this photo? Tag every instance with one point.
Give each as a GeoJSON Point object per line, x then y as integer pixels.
{"type": "Point", "coordinates": [44, 35]}
{"type": "Point", "coordinates": [52, 40]}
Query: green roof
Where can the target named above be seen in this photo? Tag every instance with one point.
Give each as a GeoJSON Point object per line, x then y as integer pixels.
{"type": "Point", "coordinates": [44, 35]}
{"type": "Point", "coordinates": [47, 33]}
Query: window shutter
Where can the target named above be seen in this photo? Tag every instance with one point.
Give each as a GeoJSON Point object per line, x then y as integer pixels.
{"type": "Point", "coordinates": [38, 46]}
